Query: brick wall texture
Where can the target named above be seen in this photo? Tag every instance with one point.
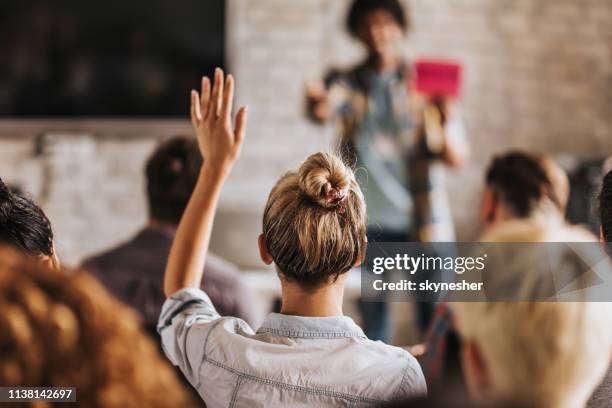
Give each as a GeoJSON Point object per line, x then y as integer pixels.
{"type": "Point", "coordinates": [538, 75]}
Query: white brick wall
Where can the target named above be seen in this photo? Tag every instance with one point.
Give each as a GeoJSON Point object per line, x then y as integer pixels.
{"type": "Point", "coordinates": [538, 76]}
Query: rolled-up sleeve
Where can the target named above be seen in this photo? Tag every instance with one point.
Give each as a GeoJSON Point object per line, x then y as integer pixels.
{"type": "Point", "coordinates": [184, 324]}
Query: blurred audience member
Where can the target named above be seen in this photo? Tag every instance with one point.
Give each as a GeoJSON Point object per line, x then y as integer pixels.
{"type": "Point", "coordinates": [522, 186]}
{"type": "Point", "coordinates": [64, 330]}
{"type": "Point", "coordinates": [519, 187]}
{"type": "Point", "coordinates": [24, 226]}
{"type": "Point", "coordinates": [541, 354]}
{"type": "Point", "coordinates": [602, 398]}
{"type": "Point", "coordinates": [314, 232]}
{"type": "Point", "coordinates": [382, 131]}
{"type": "Point", "coordinates": [134, 271]}
{"type": "Point", "coordinates": [605, 209]}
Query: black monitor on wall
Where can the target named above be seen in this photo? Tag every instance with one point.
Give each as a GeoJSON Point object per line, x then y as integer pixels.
{"type": "Point", "coordinates": [106, 58]}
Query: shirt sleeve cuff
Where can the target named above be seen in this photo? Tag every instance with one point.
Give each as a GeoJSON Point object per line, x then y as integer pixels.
{"type": "Point", "coordinates": [180, 302]}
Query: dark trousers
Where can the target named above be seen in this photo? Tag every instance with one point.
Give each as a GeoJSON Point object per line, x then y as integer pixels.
{"type": "Point", "coordinates": [375, 315]}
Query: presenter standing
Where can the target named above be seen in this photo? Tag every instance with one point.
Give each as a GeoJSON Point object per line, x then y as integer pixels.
{"type": "Point", "coordinates": [383, 131]}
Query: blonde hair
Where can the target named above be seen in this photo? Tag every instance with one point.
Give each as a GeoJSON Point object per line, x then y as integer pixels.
{"type": "Point", "coordinates": [314, 222]}
{"type": "Point", "coordinates": [543, 354]}
{"type": "Point", "coordinates": [559, 182]}
{"type": "Point", "coordinates": [60, 330]}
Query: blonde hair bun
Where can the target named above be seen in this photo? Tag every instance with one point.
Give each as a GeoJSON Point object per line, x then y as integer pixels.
{"type": "Point", "coordinates": [314, 223]}
{"type": "Point", "coordinates": [325, 180]}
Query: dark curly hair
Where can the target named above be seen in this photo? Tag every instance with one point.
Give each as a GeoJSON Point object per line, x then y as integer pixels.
{"type": "Point", "coordinates": [172, 172]}
{"type": "Point", "coordinates": [605, 207]}
{"type": "Point", "coordinates": [23, 224]}
{"type": "Point", "coordinates": [361, 8]}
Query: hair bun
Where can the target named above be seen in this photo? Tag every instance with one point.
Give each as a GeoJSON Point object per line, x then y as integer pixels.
{"type": "Point", "coordinates": [325, 180]}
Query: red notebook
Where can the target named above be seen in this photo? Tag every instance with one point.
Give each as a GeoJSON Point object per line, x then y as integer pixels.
{"type": "Point", "coordinates": [438, 78]}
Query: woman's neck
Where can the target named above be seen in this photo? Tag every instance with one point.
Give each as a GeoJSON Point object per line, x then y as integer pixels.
{"type": "Point", "coordinates": [325, 301]}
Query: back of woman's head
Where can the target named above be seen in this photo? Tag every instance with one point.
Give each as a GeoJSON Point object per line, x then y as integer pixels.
{"type": "Point", "coordinates": [605, 207]}
{"type": "Point", "coordinates": [314, 223]}
{"type": "Point", "coordinates": [58, 329]}
{"type": "Point", "coordinates": [23, 224]}
{"type": "Point", "coordinates": [525, 182]}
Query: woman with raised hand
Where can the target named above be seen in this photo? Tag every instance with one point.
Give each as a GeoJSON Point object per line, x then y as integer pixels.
{"type": "Point", "coordinates": [314, 231]}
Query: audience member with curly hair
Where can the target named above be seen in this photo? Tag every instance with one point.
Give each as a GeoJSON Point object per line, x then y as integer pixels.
{"type": "Point", "coordinates": [64, 330]}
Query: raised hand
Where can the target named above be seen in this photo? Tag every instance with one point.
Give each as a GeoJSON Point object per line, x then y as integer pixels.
{"type": "Point", "coordinates": [220, 143]}
{"type": "Point", "coordinates": [211, 116]}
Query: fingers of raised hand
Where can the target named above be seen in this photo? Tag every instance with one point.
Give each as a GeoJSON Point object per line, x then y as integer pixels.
{"type": "Point", "coordinates": [240, 128]}
{"type": "Point", "coordinates": [205, 97]}
{"type": "Point", "coordinates": [196, 113]}
{"type": "Point", "coordinates": [217, 94]}
{"type": "Point", "coordinates": [228, 100]}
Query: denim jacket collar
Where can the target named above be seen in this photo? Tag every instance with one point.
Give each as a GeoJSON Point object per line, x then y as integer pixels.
{"type": "Point", "coordinates": [310, 327]}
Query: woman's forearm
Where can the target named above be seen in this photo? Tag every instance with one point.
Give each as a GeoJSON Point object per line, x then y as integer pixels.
{"type": "Point", "coordinates": [188, 254]}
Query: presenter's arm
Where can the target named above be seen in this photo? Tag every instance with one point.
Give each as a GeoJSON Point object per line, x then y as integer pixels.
{"type": "Point", "coordinates": [220, 143]}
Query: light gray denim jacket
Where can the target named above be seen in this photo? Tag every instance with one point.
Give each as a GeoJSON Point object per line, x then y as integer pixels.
{"type": "Point", "coordinates": [290, 361]}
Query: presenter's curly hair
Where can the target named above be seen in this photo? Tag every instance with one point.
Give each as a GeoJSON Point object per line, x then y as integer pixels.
{"type": "Point", "coordinates": [59, 329]}
{"type": "Point", "coordinates": [361, 8]}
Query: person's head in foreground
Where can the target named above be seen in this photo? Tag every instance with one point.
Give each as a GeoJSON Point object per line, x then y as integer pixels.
{"type": "Point", "coordinates": [25, 227]}
{"type": "Point", "coordinates": [379, 24]}
{"type": "Point", "coordinates": [66, 331]}
{"type": "Point", "coordinates": [520, 185]}
{"type": "Point", "coordinates": [171, 173]}
{"type": "Point", "coordinates": [314, 227]}
{"type": "Point", "coordinates": [542, 354]}
{"type": "Point", "coordinates": [605, 208]}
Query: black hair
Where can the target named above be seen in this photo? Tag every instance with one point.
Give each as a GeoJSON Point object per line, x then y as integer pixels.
{"type": "Point", "coordinates": [522, 181]}
{"type": "Point", "coordinates": [172, 172]}
{"type": "Point", "coordinates": [23, 224]}
{"type": "Point", "coordinates": [605, 207]}
{"type": "Point", "coordinates": [361, 8]}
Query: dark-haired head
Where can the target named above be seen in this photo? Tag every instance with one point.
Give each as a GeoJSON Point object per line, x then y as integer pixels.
{"type": "Point", "coordinates": [172, 172]}
{"type": "Point", "coordinates": [361, 8]}
{"type": "Point", "coordinates": [379, 24]}
{"type": "Point", "coordinates": [24, 225]}
{"type": "Point", "coordinates": [524, 184]}
{"type": "Point", "coordinates": [605, 208]}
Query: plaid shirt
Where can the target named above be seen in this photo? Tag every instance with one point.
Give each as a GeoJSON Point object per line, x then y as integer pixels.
{"type": "Point", "coordinates": [425, 181]}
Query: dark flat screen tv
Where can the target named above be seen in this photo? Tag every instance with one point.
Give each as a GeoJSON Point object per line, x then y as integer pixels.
{"type": "Point", "coordinates": [106, 58]}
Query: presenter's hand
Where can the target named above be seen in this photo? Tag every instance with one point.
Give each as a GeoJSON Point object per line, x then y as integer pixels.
{"type": "Point", "coordinates": [317, 100]}
{"type": "Point", "coordinates": [219, 140]}
{"type": "Point", "coordinates": [446, 105]}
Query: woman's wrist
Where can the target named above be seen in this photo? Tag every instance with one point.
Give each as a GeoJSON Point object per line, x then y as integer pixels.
{"type": "Point", "coordinates": [214, 173]}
